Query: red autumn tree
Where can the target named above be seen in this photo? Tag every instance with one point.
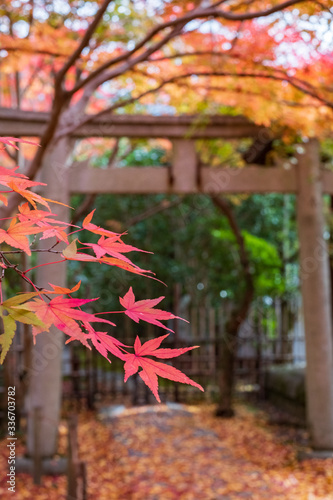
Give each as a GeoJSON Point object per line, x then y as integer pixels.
{"type": "Point", "coordinates": [85, 60]}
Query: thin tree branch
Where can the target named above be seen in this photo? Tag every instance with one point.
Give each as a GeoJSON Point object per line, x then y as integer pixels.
{"type": "Point", "coordinates": [84, 208]}
{"type": "Point", "coordinates": [249, 93]}
{"type": "Point", "coordinates": [110, 109]}
{"type": "Point", "coordinates": [84, 42]}
{"type": "Point", "coordinates": [175, 79]}
{"type": "Point", "coordinates": [151, 211]}
{"type": "Point", "coordinates": [113, 155]}
{"type": "Point", "coordinates": [187, 54]}
{"type": "Point", "coordinates": [98, 76]}
{"type": "Point", "coordinates": [209, 12]}
{"type": "Point", "coordinates": [33, 50]}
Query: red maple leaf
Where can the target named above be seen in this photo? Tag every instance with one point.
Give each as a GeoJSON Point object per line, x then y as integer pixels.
{"type": "Point", "coordinates": [10, 141]}
{"type": "Point", "coordinates": [54, 232]}
{"type": "Point", "coordinates": [105, 343]}
{"type": "Point", "coordinates": [42, 219]}
{"type": "Point", "coordinates": [143, 309]}
{"type": "Point", "coordinates": [71, 253]}
{"type": "Point", "coordinates": [61, 313]}
{"type": "Point", "coordinates": [110, 246]}
{"type": "Point", "coordinates": [8, 176]}
{"type": "Point", "coordinates": [49, 227]}
{"type": "Point", "coordinates": [150, 369]}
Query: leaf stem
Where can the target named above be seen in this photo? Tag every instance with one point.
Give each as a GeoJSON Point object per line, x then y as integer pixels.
{"type": "Point", "coordinates": [33, 250]}
{"type": "Point", "coordinates": [46, 264]}
{"type": "Point", "coordinates": [110, 312]}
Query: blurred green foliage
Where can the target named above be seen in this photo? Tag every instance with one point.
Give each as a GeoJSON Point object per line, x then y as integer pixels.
{"type": "Point", "coordinates": [192, 242]}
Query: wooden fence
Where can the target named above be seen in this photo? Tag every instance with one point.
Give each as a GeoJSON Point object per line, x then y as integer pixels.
{"type": "Point", "coordinates": [272, 334]}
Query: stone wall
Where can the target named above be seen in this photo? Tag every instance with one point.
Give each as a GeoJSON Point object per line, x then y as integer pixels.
{"type": "Point", "coordinates": [285, 387]}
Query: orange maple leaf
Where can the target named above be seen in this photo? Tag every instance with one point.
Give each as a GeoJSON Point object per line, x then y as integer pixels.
{"type": "Point", "coordinates": [7, 176]}
{"type": "Point", "coordinates": [97, 229]}
{"type": "Point", "coordinates": [16, 235]}
{"type": "Point", "coordinates": [22, 187]}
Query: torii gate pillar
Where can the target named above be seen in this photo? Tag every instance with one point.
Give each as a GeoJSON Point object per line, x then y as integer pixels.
{"type": "Point", "coordinates": [46, 370]}
{"type": "Point", "coordinates": [316, 292]}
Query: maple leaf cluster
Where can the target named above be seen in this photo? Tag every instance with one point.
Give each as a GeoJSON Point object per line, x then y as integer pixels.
{"type": "Point", "coordinates": [56, 307]}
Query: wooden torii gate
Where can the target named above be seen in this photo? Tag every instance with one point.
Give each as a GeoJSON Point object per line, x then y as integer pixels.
{"type": "Point", "coordinates": [307, 179]}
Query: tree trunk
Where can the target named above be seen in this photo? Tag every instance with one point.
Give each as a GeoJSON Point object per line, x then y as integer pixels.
{"type": "Point", "coordinates": [45, 377]}
{"type": "Point", "coordinates": [226, 356]}
{"type": "Point", "coordinates": [228, 345]}
{"type": "Point", "coordinates": [330, 243]}
{"type": "Point", "coordinates": [315, 285]}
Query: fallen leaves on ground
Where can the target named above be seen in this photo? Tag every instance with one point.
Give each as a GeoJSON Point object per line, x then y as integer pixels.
{"type": "Point", "coordinates": [159, 453]}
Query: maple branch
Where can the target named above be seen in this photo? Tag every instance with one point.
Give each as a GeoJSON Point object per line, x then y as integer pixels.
{"type": "Point", "coordinates": [209, 12]}
{"type": "Point", "coordinates": [294, 82]}
{"type": "Point", "coordinates": [84, 208]}
{"type": "Point", "coordinates": [33, 50]}
{"type": "Point", "coordinates": [110, 109]}
{"type": "Point", "coordinates": [151, 211]}
{"type": "Point", "coordinates": [200, 52]}
{"type": "Point", "coordinates": [212, 72]}
{"type": "Point", "coordinates": [174, 79]}
{"type": "Point", "coordinates": [113, 155]}
{"type": "Point", "coordinates": [31, 16]}
{"type": "Point", "coordinates": [9, 265]}
{"type": "Point", "coordinates": [30, 81]}
{"type": "Point", "coordinates": [187, 54]}
{"type": "Point", "coordinates": [49, 250]}
{"type": "Point", "coordinates": [124, 57]}
{"type": "Point", "coordinates": [66, 314]}
{"type": "Point", "coordinates": [248, 93]}
{"type": "Point", "coordinates": [84, 42]}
